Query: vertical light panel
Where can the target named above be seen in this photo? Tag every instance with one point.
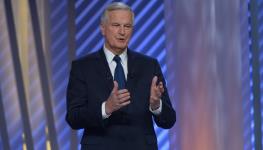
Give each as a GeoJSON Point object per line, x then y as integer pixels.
{"type": "Point", "coordinates": [43, 74]}
{"type": "Point", "coordinates": [59, 66]}
{"type": "Point", "coordinates": [250, 128]}
{"type": "Point", "coordinates": [4, 139]}
{"type": "Point", "coordinates": [206, 48]}
{"type": "Point", "coordinates": [18, 73]}
{"type": "Point", "coordinates": [247, 81]}
{"type": "Point", "coordinates": [9, 99]}
{"type": "Point", "coordinates": [171, 61]}
{"type": "Point", "coordinates": [256, 35]}
{"type": "Point", "coordinates": [148, 38]}
{"type": "Point", "coordinates": [31, 75]}
{"type": "Point", "coordinates": [36, 106]}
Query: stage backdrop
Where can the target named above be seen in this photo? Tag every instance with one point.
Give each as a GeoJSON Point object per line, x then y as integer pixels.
{"type": "Point", "coordinates": [202, 46]}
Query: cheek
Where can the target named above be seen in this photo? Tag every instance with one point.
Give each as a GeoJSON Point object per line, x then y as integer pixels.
{"type": "Point", "coordinates": [111, 39]}
{"type": "Point", "coordinates": [129, 34]}
{"type": "Point", "coordinates": [110, 35]}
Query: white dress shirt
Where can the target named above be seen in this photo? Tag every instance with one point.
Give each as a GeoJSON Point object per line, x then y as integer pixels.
{"type": "Point", "coordinates": [112, 65]}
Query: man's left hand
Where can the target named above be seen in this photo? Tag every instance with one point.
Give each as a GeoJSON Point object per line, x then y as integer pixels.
{"type": "Point", "coordinates": [156, 93]}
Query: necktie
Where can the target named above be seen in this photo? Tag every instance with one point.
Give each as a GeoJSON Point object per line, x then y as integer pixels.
{"type": "Point", "coordinates": [119, 73]}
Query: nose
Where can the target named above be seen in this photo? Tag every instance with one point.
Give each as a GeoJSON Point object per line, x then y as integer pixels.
{"type": "Point", "coordinates": [122, 30]}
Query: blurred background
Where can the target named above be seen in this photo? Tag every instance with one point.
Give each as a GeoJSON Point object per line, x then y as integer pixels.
{"type": "Point", "coordinates": [210, 52]}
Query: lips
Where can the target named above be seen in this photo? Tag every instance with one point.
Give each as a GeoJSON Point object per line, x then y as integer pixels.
{"type": "Point", "coordinates": [121, 39]}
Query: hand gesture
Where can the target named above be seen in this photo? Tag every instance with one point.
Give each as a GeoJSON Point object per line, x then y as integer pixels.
{"type": "Point", "coordinates": [156, 93]}
{"type": "Point", "coordinates": [117, 99]}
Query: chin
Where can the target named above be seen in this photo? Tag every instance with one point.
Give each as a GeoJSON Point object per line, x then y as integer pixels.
{"type": "Point", "coordinates": [119, 50]}
{"type": "Point", "coordinates": [122, 47]}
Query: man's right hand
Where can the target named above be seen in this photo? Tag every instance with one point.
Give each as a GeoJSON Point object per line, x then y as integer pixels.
{"type": "Point", "coordinates": [117, 99]}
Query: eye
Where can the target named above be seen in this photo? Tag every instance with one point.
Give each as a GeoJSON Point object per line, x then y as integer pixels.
{"type": "Point", "coordinates": [115, 25]}
{"type": "Point", "coordinates": [128, 26]}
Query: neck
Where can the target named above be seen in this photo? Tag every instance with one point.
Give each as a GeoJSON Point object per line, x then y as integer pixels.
{"type": "Point", "coordinates": [115, 51]}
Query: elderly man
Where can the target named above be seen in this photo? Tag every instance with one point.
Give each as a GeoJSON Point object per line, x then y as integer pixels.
{"type": "Point", "coordinates": [114, 93]}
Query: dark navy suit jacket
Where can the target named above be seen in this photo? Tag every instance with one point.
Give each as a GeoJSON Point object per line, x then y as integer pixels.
{"type": "Point", "coordinates": [131, 127]}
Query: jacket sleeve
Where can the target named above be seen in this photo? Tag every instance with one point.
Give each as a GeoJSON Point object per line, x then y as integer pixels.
{"type": "Point", "coordinates": [80, 113]}
{"type": "Point", "coordinates": [167, 117]}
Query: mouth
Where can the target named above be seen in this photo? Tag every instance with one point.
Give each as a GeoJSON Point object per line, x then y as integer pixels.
{"type": "Point", "coordinates": [121, 39]}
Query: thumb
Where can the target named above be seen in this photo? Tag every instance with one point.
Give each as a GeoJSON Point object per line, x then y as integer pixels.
{"type": "Point", "coordinates": [154, 81]}
{"type": "Point", "coordinates": [115, 87]}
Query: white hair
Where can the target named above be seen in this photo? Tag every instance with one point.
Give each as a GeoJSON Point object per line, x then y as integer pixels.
{"type": "Point", "coordinates": [115, 6]}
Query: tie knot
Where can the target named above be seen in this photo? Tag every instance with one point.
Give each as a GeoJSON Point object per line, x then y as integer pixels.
{"type": "Point", "coordinates": [117, 59]}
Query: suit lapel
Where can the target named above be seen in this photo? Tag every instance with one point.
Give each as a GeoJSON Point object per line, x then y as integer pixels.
{"type": "Point", "coordinates": [104, 70]}
{"type": "Point", "coordinates": [132, 72]}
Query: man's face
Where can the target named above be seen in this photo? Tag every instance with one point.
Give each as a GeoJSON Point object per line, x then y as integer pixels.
{"type": "Point", "coordinates": [117, 30]}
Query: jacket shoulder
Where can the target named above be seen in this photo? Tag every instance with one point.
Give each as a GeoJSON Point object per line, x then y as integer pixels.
{"type": "Point", "coordinates": [142, 56]}
{"type": "Point", "coordinates": [86, 59]}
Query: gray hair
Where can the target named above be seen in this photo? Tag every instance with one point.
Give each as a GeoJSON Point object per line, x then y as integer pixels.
{"type": "Point", "coordinates": [115, 6]}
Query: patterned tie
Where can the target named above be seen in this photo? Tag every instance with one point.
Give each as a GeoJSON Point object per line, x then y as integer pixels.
{"type": "Point", "coordinates": [119, 73]}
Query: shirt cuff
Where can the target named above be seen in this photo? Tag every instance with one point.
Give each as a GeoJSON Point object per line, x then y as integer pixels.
{"type": "Point", "coordinates": [157, 111]}
{"type": "Point", "coordinates": [103, 111]}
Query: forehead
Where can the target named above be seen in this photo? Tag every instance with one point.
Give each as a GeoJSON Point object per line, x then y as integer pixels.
{"type": "Point", "coordinates": [124, 16]}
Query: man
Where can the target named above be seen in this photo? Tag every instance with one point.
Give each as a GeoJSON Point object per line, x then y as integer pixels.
{"type": "Point", "coordinates": [114, 93]}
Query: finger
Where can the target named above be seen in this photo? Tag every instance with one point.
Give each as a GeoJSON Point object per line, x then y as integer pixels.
{"type": "Point", "coordinates": [120, 96]}
{"type": "Point", "coordinates": [154, 81]}
{"type": "Point", "coordinates": [157, 93]}
{"type": "Point", "coordinates": [115, 87]}
{"type": "Point", "coordinates": [125, 103]}
{"type": "Point", "coordinates": [161, 88]}
{"type": "Point", "coordinates": [124, 97]}
{"type": "Point", "coordinates": [122, 91]}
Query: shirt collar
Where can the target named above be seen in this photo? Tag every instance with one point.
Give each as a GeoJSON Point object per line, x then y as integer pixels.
{"type": "Point", "coordinates": [109, 55]}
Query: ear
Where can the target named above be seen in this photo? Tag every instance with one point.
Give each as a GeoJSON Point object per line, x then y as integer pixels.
{"type": "Point", "coordinates": [102, 29]}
